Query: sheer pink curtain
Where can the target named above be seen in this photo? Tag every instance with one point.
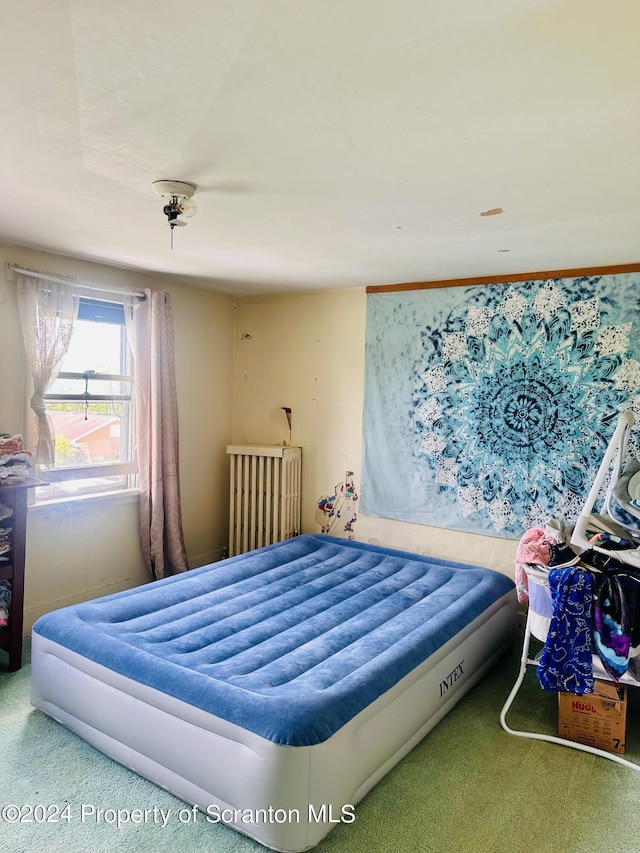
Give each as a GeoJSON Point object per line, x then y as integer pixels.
{"type": "Point", "coordinates": [150, 326]}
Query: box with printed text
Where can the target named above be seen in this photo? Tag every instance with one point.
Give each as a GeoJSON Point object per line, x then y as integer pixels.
{"type": "Point", "coordinates": [598, 719]}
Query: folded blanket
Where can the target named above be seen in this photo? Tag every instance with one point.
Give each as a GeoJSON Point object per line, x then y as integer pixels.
{"type": "Point", "coordinates": [9, 460]}
{"type": "Point", "coordinates": [11, 444]}
{"type": "Point", "coordinates": [566, 660]}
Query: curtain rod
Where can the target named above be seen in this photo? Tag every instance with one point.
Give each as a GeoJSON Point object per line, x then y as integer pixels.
{"type": "Point", "coordinates": [85, 285]}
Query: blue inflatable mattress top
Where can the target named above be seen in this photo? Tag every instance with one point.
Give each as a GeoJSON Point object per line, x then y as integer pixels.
{"type": "Point", "coordinates": [290, 641]}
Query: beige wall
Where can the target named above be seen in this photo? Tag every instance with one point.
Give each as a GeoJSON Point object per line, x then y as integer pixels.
{"type": "Point", "coordinates": [236, 366]}
{"type": "Point", "coordinates": [306, 351]}
{"type": "Point", "coordinates": [84, 549]}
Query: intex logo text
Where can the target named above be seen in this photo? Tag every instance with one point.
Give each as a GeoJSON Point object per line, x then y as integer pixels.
{"type": "Point", "coordinates": [456, 673]}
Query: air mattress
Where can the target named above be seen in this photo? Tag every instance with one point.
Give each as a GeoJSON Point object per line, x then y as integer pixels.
{"type": "Point", "coordinates": [287, 680]}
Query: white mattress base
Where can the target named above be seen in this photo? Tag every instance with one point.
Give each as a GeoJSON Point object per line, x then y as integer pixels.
{"type": "Point", "coordinates": [287, 798]}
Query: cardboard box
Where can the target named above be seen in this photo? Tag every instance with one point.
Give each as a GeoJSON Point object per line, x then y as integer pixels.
{"type": "Point", "coordinates": [598, 719]}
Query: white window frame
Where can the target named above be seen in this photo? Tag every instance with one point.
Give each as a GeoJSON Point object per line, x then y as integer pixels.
{"type": "Point", "coordinates": [77, 473]}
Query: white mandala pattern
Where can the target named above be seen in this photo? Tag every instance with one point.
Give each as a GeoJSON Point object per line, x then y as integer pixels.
{"type": "Point", "coordinates": [516, 396]}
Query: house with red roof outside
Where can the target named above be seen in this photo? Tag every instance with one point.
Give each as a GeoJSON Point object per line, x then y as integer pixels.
{"type": "Point", "coordinates": [82, 438]}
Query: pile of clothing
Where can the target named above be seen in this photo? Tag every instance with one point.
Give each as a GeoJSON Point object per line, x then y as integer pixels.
{"type": "Point", "coordinates": [15, 465]}
{"type": "Point", "coordinates": [6, 514]}
{"type": "Point", "coordinates": [595, 604]}
{"type": "Point", "coordinates": [15, 460]}
{"type": "Point", "coordinates": [5, 603]}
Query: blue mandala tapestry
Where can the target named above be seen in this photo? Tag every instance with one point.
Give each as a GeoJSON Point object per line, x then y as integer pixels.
{"type": "Point", "coordinates": [489, 408]}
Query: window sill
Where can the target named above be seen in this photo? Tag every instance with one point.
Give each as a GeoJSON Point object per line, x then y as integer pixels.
{"type": "Point", "coordinates": [121, 496]}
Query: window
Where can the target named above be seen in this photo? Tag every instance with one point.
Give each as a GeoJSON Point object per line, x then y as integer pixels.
{"type": "Point", "coordinates": [90, 407]}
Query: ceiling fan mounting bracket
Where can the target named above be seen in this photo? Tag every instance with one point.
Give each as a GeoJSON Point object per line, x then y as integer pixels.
{"type": "Point", "coordinates": [174, 189]}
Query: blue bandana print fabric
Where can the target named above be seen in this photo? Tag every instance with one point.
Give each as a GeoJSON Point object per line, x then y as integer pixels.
{"type": "Point", "coordinates": [489, 408]}
{"type": "Point", "coordinates": [566, 661]}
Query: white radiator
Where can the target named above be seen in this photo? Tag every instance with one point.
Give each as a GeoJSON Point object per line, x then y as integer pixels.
{"type": "Point", "coordinates": [264, 496]}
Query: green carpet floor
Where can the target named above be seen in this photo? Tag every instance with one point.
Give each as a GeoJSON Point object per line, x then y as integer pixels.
{"type": "Point", "coordinates": [469, 787]}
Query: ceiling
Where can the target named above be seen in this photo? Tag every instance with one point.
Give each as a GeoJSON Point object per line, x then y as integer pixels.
{"type": "Point", "coordinates": [334, 143]}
